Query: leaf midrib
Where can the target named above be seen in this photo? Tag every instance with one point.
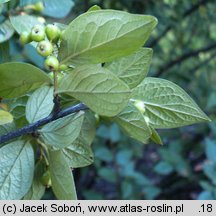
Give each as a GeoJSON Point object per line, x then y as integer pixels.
{"type": "Point", "coordinates": [12, 167]}
{"type": "Point", "coordinates": [174, 110]}
{"type": "Point", "coordinates": [101, 44]}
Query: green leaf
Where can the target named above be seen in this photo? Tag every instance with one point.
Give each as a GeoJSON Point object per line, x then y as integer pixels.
{"type": "Point", "coordinates": [98, 88]}
{"type": "Point", "coordinates": [17, 108]}
{"type": "Point", "coordinates": [6, 31]}
{"type": "Point", "coordinates": [104, 35]}
{"type": "Point", "coordinates": [57, 9]}
{"type": "Point", "coordinates": [133, 123]}
{"type": "Point", "coordinates": [62, 132]}
{"type": "Point", "coordinates": [24, 22]}
{"type": "Point", "coordinates": [40, 104]}
{"type": "Point", "coordinates": [36, 191]}
{"type": "Point", "coordinates": [61, 176]}
{"type": "Point", "coordinates": [167, 105]}
{"type": "Point", "coordinates": [16, 79]}
{"type": "Point", "coordinates": [5, 117]}
{"type": "Point", "coordinates": [132, 69]}
{"type": "Point", "coordinates": [79, 153]}
{"type": "Point", "coordinates": [88, 129]}
{"type": "Point", "coordinates": [155, 137]}
{"type": "Point", "coordinates": [17, 170]}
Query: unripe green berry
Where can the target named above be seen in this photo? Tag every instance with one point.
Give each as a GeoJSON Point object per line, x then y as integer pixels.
{"type": "Point", "coordinates": [25, 38]}
{"type": "Point", "coordinates": [45, 48]}
{"type": "Point", "coordinates": [39, 6]}
{"type": "Point", "coordinates": [63, 67]}
{"type": "Point", "coordinates": [38, 33]}
{"type": "Point", "coordinates": [53, 32]}
{"type": "Point", "coordinates": [51, 63]}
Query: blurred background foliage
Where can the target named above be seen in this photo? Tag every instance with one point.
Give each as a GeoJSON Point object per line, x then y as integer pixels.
{"type": "Point", "coordinates": [184, 44]}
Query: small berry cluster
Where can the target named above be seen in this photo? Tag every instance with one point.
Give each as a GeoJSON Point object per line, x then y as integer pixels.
{"type": "Point", "coordinates": [46, 37]}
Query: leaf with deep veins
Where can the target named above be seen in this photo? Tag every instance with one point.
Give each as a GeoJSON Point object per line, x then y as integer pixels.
{"type": "Point", "coordinates": [17, 79]}
{"type": "Point", "coordinates": [64, 131]}
{"type": "Point", "coordinates": [104, 35]}
{"type": "Point", "coordinates": [61, 176]}
{"type": "Point", "coordinates": [133, 123]}
{"type": "Point", "coordinates": [17, 170]}
{"type": "Point", "coordinates": [98, 88]}
{"type": "Point", "coordinates": [132, 69]}
{"type": "Point", "coordinates": [40, 104]}
{"type": "Point", "coordinates": [167, 105]}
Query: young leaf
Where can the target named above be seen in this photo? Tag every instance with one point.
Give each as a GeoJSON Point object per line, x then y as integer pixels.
{"type": "Point", "coordinates": [5, 117]}
{"type": "Point", "coordinates": [62, 132]}
{"type": "Point", "coordinates": [132, 69]}
{"type": "Point", "coordinates": [16, 79]}
{"type": "Point", "coordinates": [98, 88]}
{"type": "Point", "coordinates": [104, 35]}
{"type": "Point", "coordinates": [133, 123]}
{"type": "Point", "coordinates": [40, 104]}
{"type": "Point", "coordinates": [61, 176]}
{"type": "Point", "coordinates": [17, 170]}
{"type": "Point", "coordinates": [167, 105]}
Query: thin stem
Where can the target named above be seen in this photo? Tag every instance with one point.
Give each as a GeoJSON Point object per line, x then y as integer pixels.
{"type": "Point", "coordinates": [184, 57]}
{"type": "Point", "coordinates": [56, 101]}
{"type": "Point", "coordinates": [55, 75]}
